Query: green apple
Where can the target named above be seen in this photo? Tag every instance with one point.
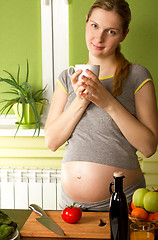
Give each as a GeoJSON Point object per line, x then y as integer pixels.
{"type": "Point", "coordinates": [151, 201]}
{"type": "Point", "coordinates": [138, 197]}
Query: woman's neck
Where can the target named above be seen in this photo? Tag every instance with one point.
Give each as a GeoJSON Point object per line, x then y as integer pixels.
{"type": "Point", "coordinates": [107, 65]}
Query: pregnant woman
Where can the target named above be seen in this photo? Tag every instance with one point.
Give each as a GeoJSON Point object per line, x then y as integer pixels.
{"type": "Point", "coordinates": [103, 120]}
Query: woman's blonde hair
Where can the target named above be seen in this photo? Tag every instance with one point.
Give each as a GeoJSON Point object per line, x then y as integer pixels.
{"type": "Point", "coordinates": [121, 7]}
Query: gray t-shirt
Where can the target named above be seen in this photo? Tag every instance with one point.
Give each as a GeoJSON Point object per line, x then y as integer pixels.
{"type": "Point", "coordinates": [97, 138]}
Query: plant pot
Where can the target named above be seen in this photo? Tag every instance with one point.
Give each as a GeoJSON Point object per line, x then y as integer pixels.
{"type": "Point", "coordinates": [29, 118]}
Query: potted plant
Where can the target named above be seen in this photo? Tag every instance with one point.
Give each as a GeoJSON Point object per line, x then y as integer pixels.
{"type": "Point", "coordinates": [26, 103]}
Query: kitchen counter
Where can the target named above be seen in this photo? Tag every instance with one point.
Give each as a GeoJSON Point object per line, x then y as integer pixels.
{"type": "Point", "coordinates": [20, 217]}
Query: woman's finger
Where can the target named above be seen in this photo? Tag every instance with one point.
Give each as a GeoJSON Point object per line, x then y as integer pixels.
{"type": "Point", "coordinates": [88, 82]}
{"type": "Point", "coordinates": [92, 75]}
{"type": "Point", "coordinates": [74, 77]}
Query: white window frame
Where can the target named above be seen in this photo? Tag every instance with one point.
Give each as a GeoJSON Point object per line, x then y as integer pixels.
{"type": "Point", "coordinates": [55, 42]}
{"type": "Point", "coordinates": [55, 57]}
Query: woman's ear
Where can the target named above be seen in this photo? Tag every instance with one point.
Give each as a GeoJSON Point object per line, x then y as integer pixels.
{"type": "Point", "coordinates": [125, 35]}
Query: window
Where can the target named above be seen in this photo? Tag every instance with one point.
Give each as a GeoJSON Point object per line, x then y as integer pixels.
{"type": "Point", "coordinates": [55, 42]}
{"type": "Point", "coordinates": [55, 56]}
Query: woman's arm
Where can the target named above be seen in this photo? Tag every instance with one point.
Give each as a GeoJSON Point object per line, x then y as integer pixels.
{"type": "Point", "coordinates": [61, 123]}
{"type": "Point", "coordinates": [147, 114]}
{"type": "Point", "coordinates": [142, 132]}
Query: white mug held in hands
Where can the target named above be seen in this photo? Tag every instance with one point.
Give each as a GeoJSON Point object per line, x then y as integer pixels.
{"type": "Point", "coordinates": [93, 68]}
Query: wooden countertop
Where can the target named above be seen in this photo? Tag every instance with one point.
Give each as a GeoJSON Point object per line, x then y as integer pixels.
{"type": "Point", "coordinates": [21, 216]}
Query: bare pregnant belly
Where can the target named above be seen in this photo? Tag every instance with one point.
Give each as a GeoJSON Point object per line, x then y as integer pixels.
{"type": "Point", "coordinates": [89, 182]}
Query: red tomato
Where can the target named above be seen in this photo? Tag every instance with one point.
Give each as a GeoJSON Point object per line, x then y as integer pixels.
{"type": "Point", "coordinates": [71, 214]}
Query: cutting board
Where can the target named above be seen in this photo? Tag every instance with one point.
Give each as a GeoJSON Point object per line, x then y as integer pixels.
{"type": "Point", "coordinates": [87, 227]}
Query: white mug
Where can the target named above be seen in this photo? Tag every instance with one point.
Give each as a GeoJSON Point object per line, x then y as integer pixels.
{"type": "Point", "coordinates": [94, 68]}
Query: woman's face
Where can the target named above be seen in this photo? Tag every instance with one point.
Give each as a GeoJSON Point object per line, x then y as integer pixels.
{"type": "Point", "coordinates": [103, 32]}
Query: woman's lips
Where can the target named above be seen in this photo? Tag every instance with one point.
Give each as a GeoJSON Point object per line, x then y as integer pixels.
{"type": "Point", "coordinates": [97, 47]}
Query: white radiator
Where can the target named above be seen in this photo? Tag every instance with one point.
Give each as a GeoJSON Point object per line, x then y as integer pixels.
{"type": "Point", "coordinates": [20, 187]}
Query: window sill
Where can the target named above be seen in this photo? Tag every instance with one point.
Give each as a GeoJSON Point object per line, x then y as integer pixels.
{"type": "Point", "coordinates": [8, 128]}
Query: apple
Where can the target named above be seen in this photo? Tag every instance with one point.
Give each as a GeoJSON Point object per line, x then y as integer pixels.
{"type": "Point", "coordinates": [151, 201]}
{"type": "Point", "coordinates": [138, 197]}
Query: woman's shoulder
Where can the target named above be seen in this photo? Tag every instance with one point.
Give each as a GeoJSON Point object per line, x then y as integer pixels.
{"type": "Point", "coordinates": [64, 73]}
{"type": "Point", "coordinates": [138, 76]}
{"type": "Point", "coordinates": [65, 81]}
{"type": "Point", "coordinates": [138, 69]}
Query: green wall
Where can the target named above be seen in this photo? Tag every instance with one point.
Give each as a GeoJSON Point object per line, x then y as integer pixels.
{"type": "Point", "coordinates": [20, 39]}
{"type": "Point", "coordinates": [140, 46]}
{"type": "Point", "coordinates": [20, 30]}
{"type": "Point", "coordinates": [28, 152]}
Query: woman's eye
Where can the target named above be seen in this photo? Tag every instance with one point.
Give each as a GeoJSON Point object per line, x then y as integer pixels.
{"type": "Point", "coordinates": [94, 25]}
{"type": "Point", "coordinates": [111, 32]}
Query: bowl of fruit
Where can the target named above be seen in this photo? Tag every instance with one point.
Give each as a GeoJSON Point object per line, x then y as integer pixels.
{"type": "Point", "coordinates": [144, 207]}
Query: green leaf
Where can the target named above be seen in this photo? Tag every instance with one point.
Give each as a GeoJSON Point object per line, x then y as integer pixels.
{"type": "Point", "coordinates": [27, 72]}
{"type": "Point", "coordinates": [28, 91]}
{"type": "Point", "coordinates": [13, 84]}
{"type": "Point", "coordinates": [22, 116]}
{"type": "Point", "coordinates": [9, 108]}
{"type": "Point", "coordinates": [10, 92]}
{"type": "Point", "coordinates": [10, 75]}
{"type": "Point", "coordinates": [18, 74]}
{"type": "Point", "coordinates": [38, 96]}
{"type": "Point", "coordinates": [8, 104]}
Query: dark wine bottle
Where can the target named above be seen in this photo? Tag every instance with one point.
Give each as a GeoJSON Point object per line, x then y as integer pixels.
{"type": "Point", "coordinates": [118, 211]}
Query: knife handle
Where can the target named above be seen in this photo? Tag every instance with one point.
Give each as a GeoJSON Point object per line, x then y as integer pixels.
{"type": "Point", "coordinates": [37, 209]}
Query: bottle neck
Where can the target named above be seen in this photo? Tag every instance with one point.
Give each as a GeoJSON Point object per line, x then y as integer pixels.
{"type": "Point", "coordinates": [118, 184]}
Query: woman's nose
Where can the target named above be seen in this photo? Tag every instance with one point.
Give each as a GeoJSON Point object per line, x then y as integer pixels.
{"type": "Point", "coordinates": [100, 37]}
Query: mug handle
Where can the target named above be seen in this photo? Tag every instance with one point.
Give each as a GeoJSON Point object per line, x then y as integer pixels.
{"type": "Point", "coordinates": [68, 71]}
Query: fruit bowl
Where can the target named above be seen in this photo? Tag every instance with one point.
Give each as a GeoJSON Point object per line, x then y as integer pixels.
{"type": "Point", "coordinates": [142, 221]}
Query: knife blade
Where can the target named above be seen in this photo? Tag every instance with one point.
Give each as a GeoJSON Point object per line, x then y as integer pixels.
{"type": "Point", "coordinates": [46, 221]}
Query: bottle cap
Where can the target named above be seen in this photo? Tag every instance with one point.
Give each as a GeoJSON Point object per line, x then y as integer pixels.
{"type": "Point", "coordinates": [118, 174]}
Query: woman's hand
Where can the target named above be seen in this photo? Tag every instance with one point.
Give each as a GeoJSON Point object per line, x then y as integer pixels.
{"type": "Point", "coordinates": [78, 86]}
{"type": "Point", "coordinates": [95, 90]}
{"type": "Point", "coordinates": [141, 132]}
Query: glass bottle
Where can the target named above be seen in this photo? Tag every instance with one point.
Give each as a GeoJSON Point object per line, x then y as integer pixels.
{"type": "Point", "coordinates": [118, 211]}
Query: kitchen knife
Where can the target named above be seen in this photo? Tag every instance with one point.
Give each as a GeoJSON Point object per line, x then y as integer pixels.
{"type": "Point", "coordinates": [46, 221]}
